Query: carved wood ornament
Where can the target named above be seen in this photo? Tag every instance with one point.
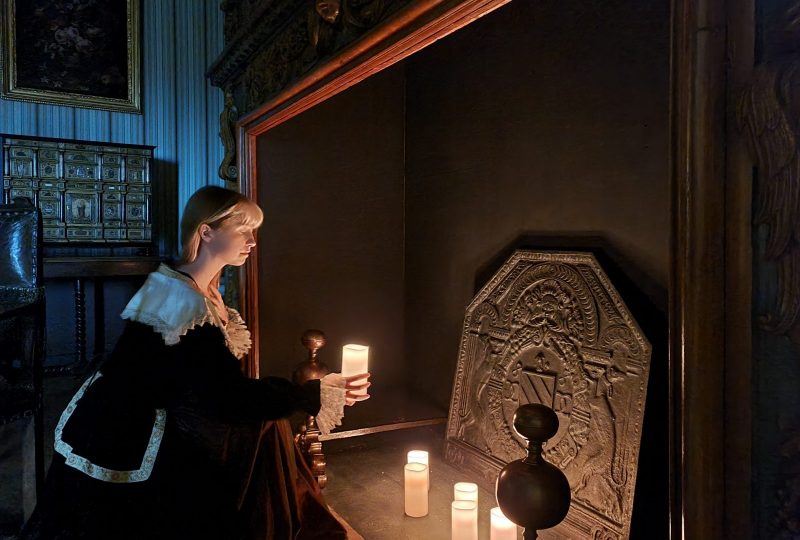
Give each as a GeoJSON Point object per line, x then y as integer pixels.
{"type": "Point", "coordinates": [768, 113]}
{"type": "Point", "coordinates": [550, 328]}
{"type": "Point", "coordinates": [228, 170]}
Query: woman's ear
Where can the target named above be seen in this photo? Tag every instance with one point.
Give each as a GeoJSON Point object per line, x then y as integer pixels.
{"type": "Point", "coordinates": [206, 233]}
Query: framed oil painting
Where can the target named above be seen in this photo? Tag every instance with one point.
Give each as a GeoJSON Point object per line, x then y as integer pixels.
{"type": "Point", "coordinates": [80, 53]}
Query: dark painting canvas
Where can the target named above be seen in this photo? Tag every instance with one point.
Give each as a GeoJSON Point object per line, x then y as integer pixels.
{"type": "Point", "coordinates": [73, 52]}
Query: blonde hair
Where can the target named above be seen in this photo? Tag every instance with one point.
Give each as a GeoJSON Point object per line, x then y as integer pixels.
{"type": "Point", "coordinates": [216, 207]}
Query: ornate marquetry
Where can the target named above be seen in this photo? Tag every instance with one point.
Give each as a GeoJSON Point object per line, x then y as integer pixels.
{"type": "Point", "coordinates": [550, 328]}
{"type": "Point", "coordinates": [87, 192]}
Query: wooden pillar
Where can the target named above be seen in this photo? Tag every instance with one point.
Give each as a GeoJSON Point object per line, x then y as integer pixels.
{"type": "Point", "coordinates": [738, 420]}
{"type": "Point", "coordinates": [713, 44]}
{"type": "Point", "coordinates": [697, 273]}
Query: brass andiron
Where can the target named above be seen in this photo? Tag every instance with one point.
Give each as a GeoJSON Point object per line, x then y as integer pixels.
{"type": "Point", "coordinates": [531, 492]}
{"type": "Point", "coordinates": [308, 437]}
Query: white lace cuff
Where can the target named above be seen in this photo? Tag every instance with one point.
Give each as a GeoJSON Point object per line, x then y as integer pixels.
{"type": "Point", "coordinates": [332, 400]}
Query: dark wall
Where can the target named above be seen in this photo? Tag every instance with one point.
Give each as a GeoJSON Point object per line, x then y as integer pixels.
{"type": "Point", "coordinates": [331, 246]}
{"type": "Point", "coordinates": [544, 124]}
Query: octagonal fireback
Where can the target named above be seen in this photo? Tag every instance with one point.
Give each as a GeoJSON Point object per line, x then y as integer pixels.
{"type": "Point", "coordinates": [550, 328]}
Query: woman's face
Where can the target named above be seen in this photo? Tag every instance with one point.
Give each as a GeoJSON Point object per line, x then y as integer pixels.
{"type": "Point", "coordinates": [231, 244]}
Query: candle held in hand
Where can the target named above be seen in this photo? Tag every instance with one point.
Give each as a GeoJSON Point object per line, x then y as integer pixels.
{"type": "Point", "coordinates": [355, 360]}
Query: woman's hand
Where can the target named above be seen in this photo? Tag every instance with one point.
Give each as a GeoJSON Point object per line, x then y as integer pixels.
{"type": "Point", "coordinates": [354, 384]}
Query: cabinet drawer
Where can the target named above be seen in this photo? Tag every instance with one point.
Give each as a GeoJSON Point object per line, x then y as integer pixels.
{"type": "Point", "coordinates": [54, 233]}
{"type": "Point", "coordinates": [83, 234]}
{"type": "Point", "coordinates": [114, 234]}
{"type": "Point", "coordinates": [80, 157]}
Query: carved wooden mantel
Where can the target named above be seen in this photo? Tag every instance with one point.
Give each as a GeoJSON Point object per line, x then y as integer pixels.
{"type": "Point", "coordinates": [270, 45]}
{"type": "Point", "coordinates": [710, 257]}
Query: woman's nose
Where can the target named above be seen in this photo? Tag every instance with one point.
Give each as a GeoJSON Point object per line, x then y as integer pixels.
{"type": "Point", "coordinates": [251, 240]}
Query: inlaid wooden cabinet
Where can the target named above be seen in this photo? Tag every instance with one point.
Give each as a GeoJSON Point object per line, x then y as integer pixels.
{"type": "Point", "coordinates": [89, 192]}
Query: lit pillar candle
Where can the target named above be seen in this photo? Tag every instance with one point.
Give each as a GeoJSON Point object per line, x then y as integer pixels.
{"type": "Point", "coordinates": [355, 360]}
{"type": "Point", "coordinates": [416, 489]}
{"type": "Point", "coordinates": [465, 491]}
{"type": "Point", "coordinates": [502, 527]}
{"type": "Point", "coordinates": [464, 524]}
{"type": "Point", "coordinates": [420, 456]}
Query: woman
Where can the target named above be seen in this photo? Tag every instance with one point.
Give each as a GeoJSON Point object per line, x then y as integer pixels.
{"type": "Point", "coordinates": [169, 439]}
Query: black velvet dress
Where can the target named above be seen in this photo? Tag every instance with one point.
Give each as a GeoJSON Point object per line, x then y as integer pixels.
{"type": "Point", "coordinates": [173, 441]}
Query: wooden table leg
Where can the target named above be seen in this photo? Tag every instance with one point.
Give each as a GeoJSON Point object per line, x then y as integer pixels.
{"type": "Point", "coordinates": [311, 448]}
{"type": "Point", "coordinates": [80, 324]}
{"type": "Point", "coordinates": [99, 323]}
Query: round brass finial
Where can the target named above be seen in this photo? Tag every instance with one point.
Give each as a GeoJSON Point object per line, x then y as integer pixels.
{"type": "Point", "coordinates": [536, 422]}
{"type": "Point", "coordinates": [313, 340]}
{"type": "Point", "coordinates": [531, 492]}
{"type": "Point", "coordinates": [311, 368]}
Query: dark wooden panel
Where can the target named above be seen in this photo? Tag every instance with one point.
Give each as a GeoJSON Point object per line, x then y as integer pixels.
{"type": "Point", "coordinates": [81, 267]}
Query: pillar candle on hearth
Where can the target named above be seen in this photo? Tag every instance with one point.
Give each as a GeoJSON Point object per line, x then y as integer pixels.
{"type": "Point", "coordinates": [465, 491]}
{"type": "Point", "coordinates": [464, 520]}
{"type": "Point", "coordinates": [355, 360]}
{"type": "Point", "coordinates": [416, 489]}
{"type": "Point", "coordinates": [502, 527]}
{"type": "Point", "coordinates": [420, 456]}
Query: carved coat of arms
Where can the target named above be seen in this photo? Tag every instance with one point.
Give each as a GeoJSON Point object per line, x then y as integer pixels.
{"type": "Point", "coordinates": [550, 328]}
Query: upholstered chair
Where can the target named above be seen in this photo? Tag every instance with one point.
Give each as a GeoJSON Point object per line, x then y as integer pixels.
{"type": "Point", "coordinates": [22, 348]}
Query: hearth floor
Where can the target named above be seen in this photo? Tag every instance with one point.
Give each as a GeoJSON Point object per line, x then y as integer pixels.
{"type": "Point", "coordinates": [365, 485]}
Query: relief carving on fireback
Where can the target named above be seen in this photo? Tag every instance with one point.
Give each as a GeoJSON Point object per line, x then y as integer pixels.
{"type": "Point", "coordinates": [550, 328]}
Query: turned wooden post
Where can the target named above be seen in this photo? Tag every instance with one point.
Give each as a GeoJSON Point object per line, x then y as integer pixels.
{"type": "Point", "coordinates": [308, 438]}
{"type": "Point", "coordinates": [531, 492]}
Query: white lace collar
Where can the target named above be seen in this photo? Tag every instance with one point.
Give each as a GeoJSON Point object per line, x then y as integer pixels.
{"type": "Point", "coordinates": [169, 303]}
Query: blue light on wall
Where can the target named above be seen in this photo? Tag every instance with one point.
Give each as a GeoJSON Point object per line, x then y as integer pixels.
{"type": "Point", "coordinates": [180, 38]}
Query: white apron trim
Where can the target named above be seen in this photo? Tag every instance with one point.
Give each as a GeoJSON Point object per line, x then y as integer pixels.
{"type": "Point", "coordinates": [98, 472]}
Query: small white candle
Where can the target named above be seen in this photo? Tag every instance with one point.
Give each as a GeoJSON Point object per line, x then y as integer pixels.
{"type": "Point", "coordinates": [465, 491]}
{"type": "Point", "coordinates": [420, 456]}
{"type": "Point", "coordinates": [502, 527]}
{"type": "Point", "coordinates": [464, 524]}
{"type": "Point", "coordinates": [355, 360]}
{"type": "Point", "coordinates": [416, 489]}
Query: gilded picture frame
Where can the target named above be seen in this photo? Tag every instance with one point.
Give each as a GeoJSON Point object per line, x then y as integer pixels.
{"type": "Point", "coordinates": [82, 53]}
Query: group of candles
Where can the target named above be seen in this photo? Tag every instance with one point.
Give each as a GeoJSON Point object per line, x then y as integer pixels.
{"type": "Point", "coordinates": [464, 508]}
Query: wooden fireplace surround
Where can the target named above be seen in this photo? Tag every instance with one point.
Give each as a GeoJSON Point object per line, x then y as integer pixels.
{"type": "Point", "coordinates": [710, 276]}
